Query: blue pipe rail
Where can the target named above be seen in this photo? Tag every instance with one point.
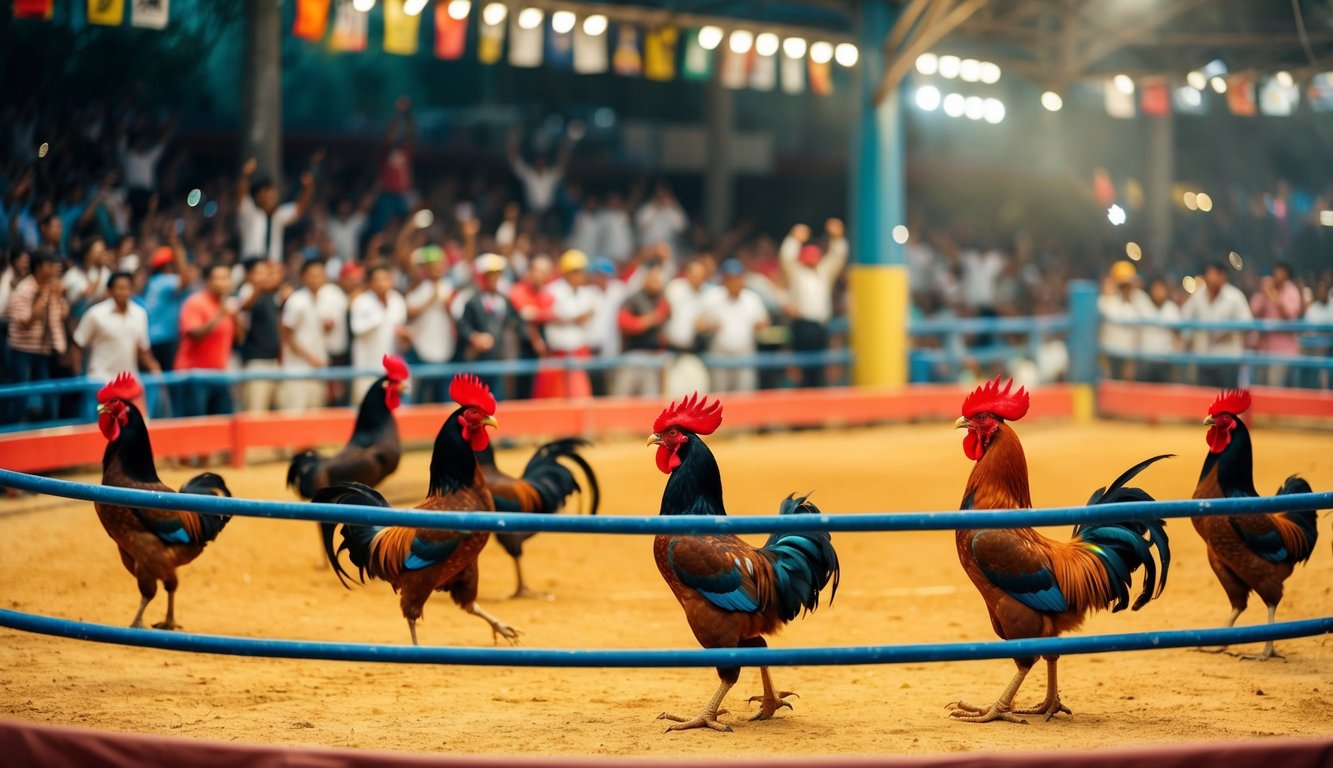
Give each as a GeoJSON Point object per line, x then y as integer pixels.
{"type": "Point", "coordinates": [993, 325]}
{"type": "Point", "coordinates": [1259, 326]}
{"type": "Point", "coordinates": [1249, 358]}
{"type": "Point", "coordinates": [665, 657]}
{"type": "Point", "coordinates": [658, 524]}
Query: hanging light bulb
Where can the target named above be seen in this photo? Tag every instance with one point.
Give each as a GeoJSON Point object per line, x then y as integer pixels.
{"type": "Point", "coordinates": [531, 18]}
{"type": "Point", "coordinates": [846, 54]}
{"type": "Point", "coordinates": [794, 47]}
{"type": "Point", "coordinates": [594, 25]}
{"type": "Point", "coordinates": [710, 38]}
{"type": "Point", "coordinates": [562, 22]}
{"type": "Point", "coordinates": [821, 52]}
{"type": "Point", "coordinates": [766, 44]}
{"type": "Point", "coordinates": [494, 14]}
{"type": "Point", "coordinates": [741, 41]}
{"type": "Point", "coordinates": [459, 9]}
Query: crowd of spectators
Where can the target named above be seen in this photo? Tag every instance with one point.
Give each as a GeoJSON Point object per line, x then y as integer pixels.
{"type": "Point", "coordinates": [121, 255]}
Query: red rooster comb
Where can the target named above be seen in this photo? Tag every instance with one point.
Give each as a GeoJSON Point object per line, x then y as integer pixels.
{"type": "Point", "coordinates": [467, 389]}
{"type": "Point", "coordinates": [123, 387]}
{"type": "Point", "coordinates": [1233, 401]}
{"type": "Point", "coordinates": [989, 398]}
{"type": "Point", "coordinates": [692, 413]}
{"type": "Point", "coordinates": [395, 368]}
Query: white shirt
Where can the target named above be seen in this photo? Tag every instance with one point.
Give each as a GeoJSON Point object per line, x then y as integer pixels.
{"type": "Point", "coordinates": [113, 339]}
{"type": "Point", "coordinates": [736, 320]}
{"type": "Point", "coordinates": [604, 331]}
{"type": "Point", "coordinates": [77, 280]}
{"type": "Point", "coordinates": [686, 304]}
{"type": "Point", "coordinates": [1159, 341]}
{"type": "Point", "coordinates": [140, 167]}
{"type": "Point", "coordinates": [302, 319]}
{"type": "Point", "coordinates": [254, 223]}
{"type": "Point", "coordinates": [660, 223]}
{"type": "Point", "coordinates": [567, 332]}
{"type": "Point", "coordinates": [373, 328]}
{"type": "Point", "coordinates": [1230, 305]}
{"type": "Point", "coordinates": [585, 234]}
{"type": "Point", "coordinates": [433, 329]}
{"type": "Point", "coordinates": [1115, 309]}
{"type": "Point", "coordinates": [345, 234]}
{"type": "Point", "coordinates": [810, 289]}
{"type": "Point", "coordinates": [331, 304]}
{"type": "Point", "coordinates": [538, 186]}
{"type": "Point", "coordinates": [616, 234]}
{"type": "Point", "coordinates": [980, 272]}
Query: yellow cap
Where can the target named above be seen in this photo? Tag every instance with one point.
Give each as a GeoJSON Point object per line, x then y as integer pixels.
{"type": "Point", "coordinates": [572, 260]}
{"type": "Point", "coordinates": [490, 262]}
{"type": "Point", "coordinates": [1123, 271]}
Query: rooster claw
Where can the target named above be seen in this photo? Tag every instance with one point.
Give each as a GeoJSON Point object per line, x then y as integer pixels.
{"type": "Point", "coordinates": [1049, 709]}
{"type": "Point", "coordinates": [507, 632]}
{"type": "Point", "coordinates": [969, 714]}
{"type": "Point", "coordinates": [705, 720]}
{"type": "Point", "coordinates": [770, 706]}
{"type": "Point", "coordinates": [531, 594]}
{"type": "Point", "coordinates": [170, 626]}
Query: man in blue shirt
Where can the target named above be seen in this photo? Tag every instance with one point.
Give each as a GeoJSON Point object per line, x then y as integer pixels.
{"type": "Point", "coordinates": [165, 291]}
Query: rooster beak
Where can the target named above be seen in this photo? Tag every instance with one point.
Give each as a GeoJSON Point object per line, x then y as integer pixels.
{"type": "Point", "coordinates": [654, 439]}
{"type": "Point", "coordinates": [101, 409]}
{"type": "Point", "coordinates": [490, 421]}
{"type": "Point", "coordinates": [962, 423]}
{"type": "Point", "coordinates": [1208, 422]}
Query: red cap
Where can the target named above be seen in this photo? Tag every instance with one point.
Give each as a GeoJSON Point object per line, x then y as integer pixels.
{"type": "Point", "coordinates": [163, 256]}
{"type": "Point", "coordinates": [810, 255]}
{"type": "Point", "coordinates": [351, 269]}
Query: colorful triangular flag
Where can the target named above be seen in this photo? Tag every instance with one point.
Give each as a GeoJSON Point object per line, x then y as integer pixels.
{"type": "Point", "coordinates": [525, 45]}
{"type": "Point", "coordinates": [1320, 92]}
{"type": "Point", "coordinates": [697, 63]}
{"type": "Point", "coordinates": [627, 60]}
{"type": "Point", "coordinates": [1155, 97]}
{"type": "Point", "coordinates": [401, 30]}
{"type": "Point", "coordinates": [560, 48]}
{"type": "Point", "coordinates": [735, 68]}
{"type": "Point", "coordinates": [41, 10]}
{"type": "Point", "coordinates": [659, 53]}
{"type": "Point", "coordinates": [793, 73]}
{"type": "Point", "coordinates": [1188, 101]}
{"type": "Point", "coordinates": [1240, 95]}
{"type": "Point", "coordinates": [450, 32]}
{"type": "Point", "coordinates": [349, 27]}
{"type": "Point", "coordinates": [106, 12]}
{"type": "Point", "coordinates": [1278, 100]}
{"type": "Point", "coordinates": [150, 14]}
{"type": "Point", "coordinates": [764, 72]}
{"type": "Point", "coordinates": [312, 19]}
{"type": "Point", "coordinates": [589, 50]}
{"type": "Point", "coordinates": [490, 41]}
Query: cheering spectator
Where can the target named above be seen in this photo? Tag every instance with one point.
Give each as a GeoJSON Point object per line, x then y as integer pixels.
{"type": "Point", "coordinates": [661, 219]}
{"type": "Point", "coordinates": [733, 315]}
{"type": "Point", "coordinates": [1319, 344]}
{"type": "Point", "coordinates": [429, 320]}
{"type": "Point", "coordinates": [811, 277]}
{"type": "Point", "coordinates": [1120, 302]}
{"type": "Point", "coordinates": [1278, 299]}
{"type": "Point", "coordinates": [378, 320]}
{"type": "Point", "coordinates": [139, 157]}
{"type": "Point", "coordinates": [87, 283]}
{"type": "Point", "coordinates": [1217, 301]}
{"type": "Point", "coordinates": [567, 334]}
{"type": "Point", "coordinates": [603, 335]}
{"type": "Point", "coordinates": [1154, 340]}
{"type": "Point", "coordinates": [397, 188]}
{"type": "Point", "coordinates": [207, 330]}
{"type": "Point", "coordinates": [259, 217]}
{"type": "Point", "coordinates": [345, 227]}
{"type": "Point", "coordinates": [303, 341]}
{"type": "Point", "coordinates": [261, 340]}
{"type": "Point", "coordinates": [540, 181]}
{"type": "Point", "coordinates": [37, 313]}
{"type": "Point", "coordinates": [534, 302]}
{"type": "Point", "coordinates": [615, 232]}
{"type": "Point", "coordinates": [489, 324]}
{"type": "Point", "coordinates": [114, 333]}
{"type": "Point", "coordinates": [641, 320]}
{"type": "Point", "coordinates": [170, 280]}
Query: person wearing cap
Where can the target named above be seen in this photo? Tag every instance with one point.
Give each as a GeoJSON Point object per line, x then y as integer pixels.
{"type": "Point", "coordinates": [378, 322]}
{"type": "Point", "coordinates": [1217, 300]}
{"type": "Point", "coordinates": [811, 277]}
{"type": "Point", "coordinates": [429, 320]}
{"type": "Point", "coordinates": [489, 326]}
{"type": "Point", "coordinates": [733, 316]}
{"type": "Point", "coordinates": [567, 334]}
{"type": "Point", "coordinates": [37, 312]}
{"type": "Point", "coordinates": [170, 277]}
{"type": "Point", "coordinates": [1121, 302]}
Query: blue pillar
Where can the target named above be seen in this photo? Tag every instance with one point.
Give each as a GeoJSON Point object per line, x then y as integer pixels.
{"type": "Point", "coordinates": [878, 277]}
{"type": "Point", "coordinates": [1084, 320]}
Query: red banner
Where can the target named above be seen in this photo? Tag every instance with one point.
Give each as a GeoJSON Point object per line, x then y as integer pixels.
{"type": "Point", "coordinates": [312, 19]}
{"type": "Point", "coordinates": [34, 9]}
{"type": "Point", "coordinates": [450, 33]}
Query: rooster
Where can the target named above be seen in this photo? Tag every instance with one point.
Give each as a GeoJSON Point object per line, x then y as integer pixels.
{"type": "Point", "coordinates": [372, 453]}
{"type": "Point", "coordinates": [418, 561]}
{"type": "Point", "coordinates": [732, 593]}
{"type": "Point", "coordinates": [1034, 586]}
{"type": "Point", "coordinates": [153, 543]}
{"type": "Point", "coordinates": [544, 487]}
{"type": "Point", "coordinates": [1250, 552]}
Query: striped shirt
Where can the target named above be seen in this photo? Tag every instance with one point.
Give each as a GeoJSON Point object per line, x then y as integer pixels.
{"type": "Point", "coordinates": [45, 335]}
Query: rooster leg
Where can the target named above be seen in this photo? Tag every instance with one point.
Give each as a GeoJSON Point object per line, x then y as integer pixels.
{"type": "Point", "coordinates": [499, 629]}
{"type": "Point", "coordinates": [1268, 653]}
{"type": "Point", "coordinates": [1231, 622]}
{"type": "Point", "coordinates": [1000, 710]}
{"type": "Point", "coordinates": [138, 617]}
{"type": "Point", "coordinates": [412, 627]}
{"type": "Point", "coordinates": [523, 590]}
{"type": "Point", "coordinates": [169, 622]}
{"type": "Point", "coordinates": [1051, 705]}
{"type": "Point", "coordinates": [771, 701]}
{"type": "Point", "coordinates": [705, 719]}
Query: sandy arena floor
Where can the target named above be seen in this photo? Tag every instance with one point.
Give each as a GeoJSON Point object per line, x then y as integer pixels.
{"type": "Point", "coordinates": [261, 579]}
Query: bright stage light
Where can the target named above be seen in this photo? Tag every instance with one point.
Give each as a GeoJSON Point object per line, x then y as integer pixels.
{"type": "Point", "coordinates": [974, 108]}
{"type": "Point", "coordinates": [846, 54]}
{"type": "Point", "coordinates": [1219, 84]}
{"type": "Point", "coordinates": [1052, 101]}
{"type": "Point", "coordinates": [562, 22]}
{"type": "Point", "coordinates": [794, 47]}
{"type": "Point", "coordinates": [1124, 84]}
{"type": "Point", "coordinates": [990, 72]}
{"type": "Point", "coordinates": [594, 25]}
{"type": "Point", "coordinates": [1197, 80]}
{"type": "Point", "coordinates": [821, 52]}
{"type": "Point", "coordinates": [414, 7]}
{"type": "Point", "coordinates": [1116, 215]}
{"type": "Point", "coordinates": [993, 111]}
{"type": "Point", "coordinates": [900, 234]}
{"type": "Point", "coordinates": [949, 67]}
{"type": "Point", "coordinates": [927, 63]}
{"type": "Point", "coordinates": [1204, 201]}
{"type": "Point", "coordinates": [1191, 200]}
{"type": "Point", "coordinates": [954, 105]}
{"type": "Point", "coordinates": [1133, 251]}
{"type": "Point", "coordinates": [766, 44]}
{"type": "Point", "coordinates": [710, 38]}
{"type": "Point", "coordinates": [741, 41]}
{"type": "Point", "coordinates": [459, 9]}
{"type": "Point", "coordinates": [364, 6]}
{"type": "Point", "coordinates": [530, 18]}
{"type": "Point", "coordinates": [928, 98]}
{"type": "Point", "coordinates": [969, 70]}
{"type": "Point", "coordinates": [494, 14]}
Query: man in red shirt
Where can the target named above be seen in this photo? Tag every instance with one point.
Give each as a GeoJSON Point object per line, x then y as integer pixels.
{"type": "Point", "coordinates": [208, 328]}
{"type": "Point", "coordinates": [535, 303]}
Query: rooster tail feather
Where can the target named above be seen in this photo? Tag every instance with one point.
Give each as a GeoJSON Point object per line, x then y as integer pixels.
{"type": "Point", "coordinates": [553, 481]}
{"type": "Point", "coordinates": [357, 539]}
{"type": "Point", "coordinates": [1124, 547]}
{"type": "Point", "coordinates": [803, 562]}
{"type": "Point", "coordinates": [209, 484]}
{"type": "Point", "coordinates": [1117, 491]}
{"type": "Point", "coordinates": [301, 471]}
{"type": "Point", "coordinates": [1301, 536]}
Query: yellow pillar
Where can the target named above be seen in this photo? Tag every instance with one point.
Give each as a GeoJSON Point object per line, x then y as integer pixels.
{"type": "Point", "coordinates": [878, 316]}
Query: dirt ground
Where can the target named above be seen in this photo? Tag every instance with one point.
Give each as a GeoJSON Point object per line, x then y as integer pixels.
{"type": "Point", "coordinates": [262, 579]}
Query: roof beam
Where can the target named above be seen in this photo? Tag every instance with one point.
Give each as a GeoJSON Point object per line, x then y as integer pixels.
{"type": "Point", "coordinates": [926, 36]}
{"type": "Point", "coordinates": [1104, 46]}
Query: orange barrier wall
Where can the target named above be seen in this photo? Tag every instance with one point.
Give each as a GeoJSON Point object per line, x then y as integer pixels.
{"type": "Point", "coordinates": [1183, 402]}
{"type": "Point", "coordinates": [63, 447]}
{"type": "Point", "coordinates": [29, 744]}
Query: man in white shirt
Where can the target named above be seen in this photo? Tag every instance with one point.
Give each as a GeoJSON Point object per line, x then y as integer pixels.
{"type": "Point", "coordinates": [734, 314]}
{"type": "Point", "coordinates": [616, 233]}
{"type": "Point", "coordinates": [661, 220]}
{"type": "Point", "coordinates": [303, 342]}
{"type": "Point", "coordinates": [1155, 340]}
{"type": "Point", "coordinates": [1121, 302]}
{"type": "Point", "coordinates": [87, 283]}
{"type": "Point", "coordinates": [345, 226]}
{"type": "Point", "coordinates": [378, 320]}
{"type": "Point", "coordinates": [540, 181]}
{"type": "Point", "coordinates": [1217, 301]}
{"type": "Point", "coordinates": [259, 217]}
{"type": "Point", "coordinates": [575, 303]}
{"type": "Point", "coordinates": [114, 333]}
{"type": "Point", "coordinates": [811, 277]}
{"type": "Point", "coordinates": [430, 322]}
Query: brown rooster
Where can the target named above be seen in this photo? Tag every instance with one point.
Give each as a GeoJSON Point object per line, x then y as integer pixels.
{"type": "Point", "coordinates": [418, 561]}
{"type": "Point", "coordinates": [1249, 552]}
{"type": "Point", "coordinates": [1034, 586]}
{"type": "Point", "coordinates": [732, 593]}
{"type": "Point", "coordinates": [374, 449]}
{"type": "Point", "coordinates": [153, 543]}
{"type": "Point", "coordinates": [544, 488]}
